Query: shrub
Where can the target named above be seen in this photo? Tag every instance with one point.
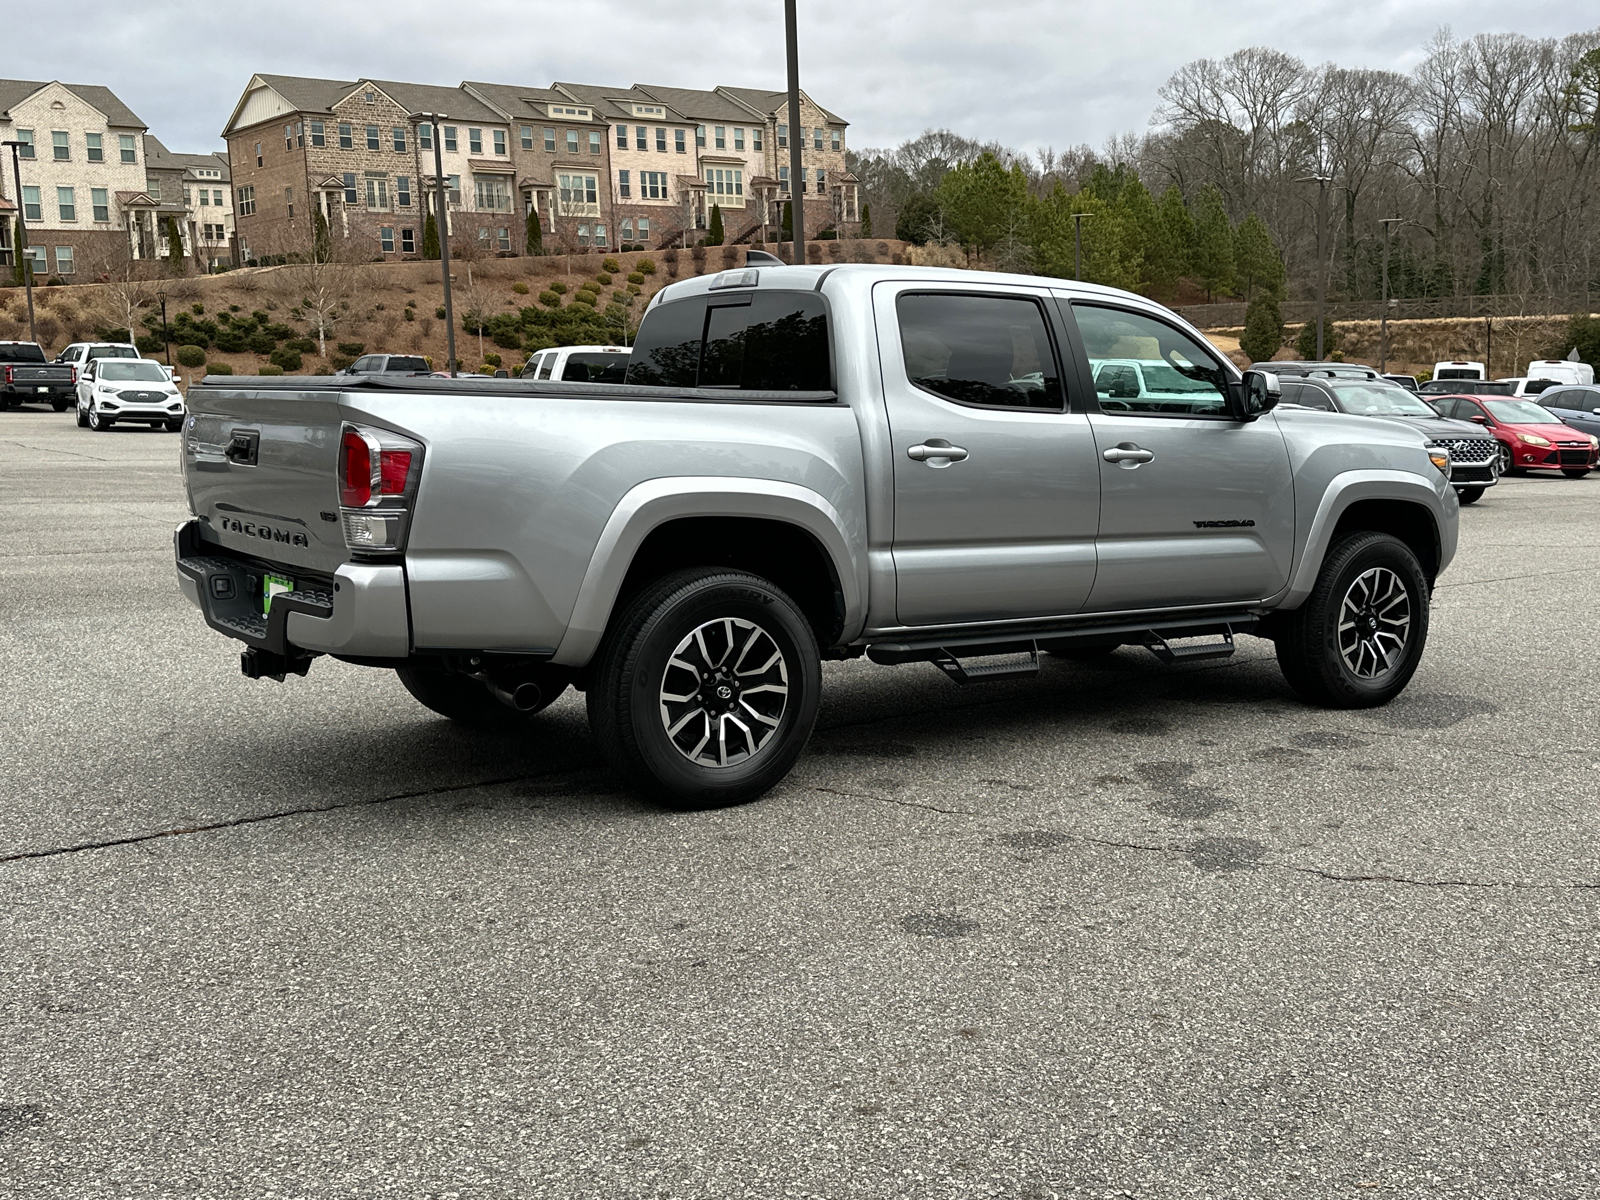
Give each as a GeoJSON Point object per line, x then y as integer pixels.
{"type": "Point", "coordinates": [410, 314]}
{"type": "Point", "coordinates": [635, 277]}
{"type": "Point", "coordinates": [233, 308]}
{"type": "Point", "coordinates": [828, 235]}
{"type": "Point", "coordinates": [611, 264]}
{"type": "Point", "coordinates": [439, 312]}
{"type": "Point", "coordinates": [270, 370]}
{"type": "Point", "coordinates": [506, 330]}
{"type": "Point", "coordinates": [493, 359]}
{"type": "Point", "coordinates": [549, 299]}
{"type": "Point", "coordinates": [218, 369]}
{"type": "Point", "coordinates": [149, 343]}
{"type": "Point", "coordinates": [353, 349]}
{"type": "Point", "coordinates": [260, 317]}
{"type": "Point", "coordinates": [191, 356]}
{"type": "Point", "coordinates": [603, 279]}
{"type": "Point", "coordinates": [286, 358]}
{"type": "Point", "coordinates": [198, 310]}
{"type": "Point", "coordinates": [224, 318]}
{"type": "Point", "coordinates": [261, 342]}
{"type": "Point", "coordinates": [559, 288]}
{"type": "Point", "coordinates": [486, 369]}
{"type": "Point", "coordinates": [1305, 344]}
{"type": "Point", "coordinates": [634, 289]}
{"type": "Point", "coordinates": [714, 231]}
{"type": "Point", "coordinates": [621, 297]}
{"type": "Point", "coordinates": [520, 288]}
{"type": "Point", "coordinates": [411, 303]}
{"type": "Point", "coordinates": [584, 298]}
{"type": "Point", "coordinates": [646, 266]}
{"type": "Point", "coordinates": [339, 361]}
{"type": "Point", "coordinates": [1263, 329]}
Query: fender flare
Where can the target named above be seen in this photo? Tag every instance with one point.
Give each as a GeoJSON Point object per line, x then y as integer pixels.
{"type": "Point", "coordinates": [653, 503]}
{"type": "Point", "coordinates": [1347, 488]}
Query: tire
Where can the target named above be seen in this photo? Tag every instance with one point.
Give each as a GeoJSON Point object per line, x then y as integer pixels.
{"type": "Point", "coordinates": [1507, 463]}
{"type": "Point", "coordinates": [83, 419]}
{"type": "Point", "coordinates": [1469, 495]}
{"type": "Point", "coordinates": [666, 660]}
{"type": "Point", "coordinates": [467, 702]}
{"type": "Point", "coordinates": [174, 426]}
{"type": "Point", "coordinates": [58, 406]}
{"type": "Point", "coordinates": [1086, 654]}
{"type": "Point", "coordinates": [1574, 472]}
{"type": "Point", "coordinates": [1335, 668]}
{"type": "Point", "coordinates": [98, 423]}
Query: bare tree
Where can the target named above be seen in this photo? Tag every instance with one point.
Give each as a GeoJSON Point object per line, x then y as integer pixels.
{"type": "Point", "coordinates": [322, 282]}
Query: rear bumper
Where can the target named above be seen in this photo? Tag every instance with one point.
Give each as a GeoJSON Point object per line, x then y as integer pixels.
{"type": "Point", "coordinates": [364, 616]}
{"type": "Point", "coordinates": [32, 391]}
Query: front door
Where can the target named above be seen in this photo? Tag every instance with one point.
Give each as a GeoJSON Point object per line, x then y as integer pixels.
{"type": "Point", "coordinates": [996, 493]}
{"type": "Point", "coordinates": [1195, 507]}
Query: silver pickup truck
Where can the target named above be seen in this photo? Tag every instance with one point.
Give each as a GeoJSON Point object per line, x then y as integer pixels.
{"type": "Point", "coordinates": [809, 463]}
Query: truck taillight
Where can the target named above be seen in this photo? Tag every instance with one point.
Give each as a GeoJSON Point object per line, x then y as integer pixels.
{"type": "Point", "coordinates": [8, 374]}
{"type": "Point", "coordinates": [378, 473]}
{"type": "Point", "coordinates": [74, 375]}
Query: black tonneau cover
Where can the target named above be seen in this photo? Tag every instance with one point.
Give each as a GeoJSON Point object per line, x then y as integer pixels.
{"type": "Point", "coordinates": [483, 385]}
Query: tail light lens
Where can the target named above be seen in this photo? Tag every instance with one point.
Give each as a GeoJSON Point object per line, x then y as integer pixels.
{"type": "Point", "coordinates": [378, 474]}
{"type": "Point", "coordinates": [74, 374]}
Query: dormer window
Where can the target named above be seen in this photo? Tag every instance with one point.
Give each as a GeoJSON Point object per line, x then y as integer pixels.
{"type": "Point", "coordinates": [372, 97]}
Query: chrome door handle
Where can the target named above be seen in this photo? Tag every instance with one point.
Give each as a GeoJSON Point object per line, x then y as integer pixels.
{"type": "Point", "coordinates": [936, 448]}
{"type": "Point", "coordinates": [1129, 455]}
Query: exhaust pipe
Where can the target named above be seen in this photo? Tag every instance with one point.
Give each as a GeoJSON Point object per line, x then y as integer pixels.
{"type": "Point", "coordinates": [524, 697]}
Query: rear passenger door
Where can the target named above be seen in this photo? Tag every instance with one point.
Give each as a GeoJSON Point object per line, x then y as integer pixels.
{"type": "Point", "coordinates": [1195, 507]}
{"type": "Point", "coordinates": [996, 494]}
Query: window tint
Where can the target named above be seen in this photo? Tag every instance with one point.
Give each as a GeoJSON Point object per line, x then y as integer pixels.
{"type": "Point", "coordinates": [989, 350]}
{"type": "Point", "coordinates": [406, 362]}
{"type": "Point", "coordinates": [112, 352]}
{"type": "Point", "coordinates": [762, 341]}
{"type": "Point", "coordinates": [595, 368]}
{"type": "Point", "coordinates": [1178, 377]}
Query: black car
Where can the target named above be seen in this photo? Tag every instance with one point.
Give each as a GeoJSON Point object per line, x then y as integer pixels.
{"type": "Point", "coordinates": [1361, 391]}
{"type": "Point", "coordinates": [1576, 405]}
{"type": "Point", "coordinates": [1467, 387]}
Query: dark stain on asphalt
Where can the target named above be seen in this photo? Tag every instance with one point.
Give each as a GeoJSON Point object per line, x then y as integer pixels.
{"type": "Point", "coordinates": [1277, 754]}
{"type": "Point", "coordinates": [1182, 800]}
{"type": "Point", "coordinates": [15, 1118]}
{"type": "Point", "coordinates": [870, 1109]}
{"type": "Point", "coordinates": [871, 749]}
{"type": "Point", "coordinates": [1107, 780]}
{"type": "Point", "coordinates": [1431, 710]}
{"type": "Point", "coordinates": [1031, 839]}
{"type": "Point", "coordinates": [1320, 739]}
{"type": "Point", "coordinates": [1225, 854]}
{"type": "Point", "coordinates": [937, 925]}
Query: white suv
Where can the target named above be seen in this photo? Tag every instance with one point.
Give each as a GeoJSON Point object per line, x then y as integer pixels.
{"type": "Point", "coordinates": [119, 390]}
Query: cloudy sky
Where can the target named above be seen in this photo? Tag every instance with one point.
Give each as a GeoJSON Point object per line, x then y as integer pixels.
{"type": "Point", "coordinates": [1025, 72]}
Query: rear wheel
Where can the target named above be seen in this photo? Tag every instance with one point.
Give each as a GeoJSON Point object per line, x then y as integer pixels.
{"type": "Point", "coordinates": [1469, 495]}
{"type": "Point", "coordinates": [706, 688]}
{"type": "Point", "coordinates": [58, 406]}
{"type": "Point", "coordinates": [467, 702]}
{"type": "Point", "coordinates": [1357, 640]}
{"type": "Point", "coordinates": [1574, 472]}
{"type": "Point", "coordinates": [83, 419]}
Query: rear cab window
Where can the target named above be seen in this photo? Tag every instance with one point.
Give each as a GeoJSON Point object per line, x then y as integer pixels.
{"type": "Point", "coordinates": [113, 352]}
{"type": "Point", "coordinates": [981, 350]}
{"type": "Point", "coordinates": [594, 367]}
{"type": "Point", "coordinates": [766, 341]}
{"type": "Point", "coordinates": [20, 352]}
{"type": "Point", "coordinates": [402, 362]}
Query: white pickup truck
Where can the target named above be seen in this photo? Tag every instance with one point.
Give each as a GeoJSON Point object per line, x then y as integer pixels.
{"type": "Point", "coordinates": [912, 464]}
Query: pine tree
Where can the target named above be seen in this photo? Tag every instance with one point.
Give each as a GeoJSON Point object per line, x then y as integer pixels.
{"type": "Point", "coordinates": [1263, 328]}
{"type": "Point", "coordinates": [982, 201]}
{"type": "Point", "coordinates": [866, 220]}
{"type": "Point", "coordinates": [430, 238]}
{"type": "Point", "coordinates": [174, 246]}
{"type": "Point", "coordinates": [322, 241]}
{"type": "Point", "coordinates": [714, 232]}
{"type": "Point", "coordinates": [1171, 249]}
{"type": "Point", "coordinates": [788, 221]}
{"type": "Point", "coordinates": [1213, 243]}
{"type": "Point", "coordinates": [19, 265]}
{"type": "Point", "coordinates": [1256, 261]}
{"type": "Point", "coordinates": [535, 235]}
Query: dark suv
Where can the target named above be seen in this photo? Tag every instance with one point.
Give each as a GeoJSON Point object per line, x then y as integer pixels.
{"type": "Point", "coordinates": [1361, 391]}
{"type": "Point", "coordinates": [387, 364]}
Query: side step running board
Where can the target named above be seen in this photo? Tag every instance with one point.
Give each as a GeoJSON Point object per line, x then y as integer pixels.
{"type": "Point", "coordinates": [987, 672]}
{"type": "Point", "coordinates": [1169, 654]}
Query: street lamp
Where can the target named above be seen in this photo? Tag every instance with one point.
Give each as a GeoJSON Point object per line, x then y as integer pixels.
{"type": "Point", "coordinates": [797, 205]}
{"type": "Point", "coordinates": [1322, 182]}
{"type": "Point", "coordinates": [22, 233]}
{"type": "Point", "coordinates": [1077, 243]}
{"type": "Point", "coordinates": [442, 221]}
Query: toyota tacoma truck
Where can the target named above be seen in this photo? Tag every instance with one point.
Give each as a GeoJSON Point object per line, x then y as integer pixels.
{"type": "Point", "coordinates": [809, 463]}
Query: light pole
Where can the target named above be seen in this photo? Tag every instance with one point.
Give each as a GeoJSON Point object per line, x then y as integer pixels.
{"type": "Point", "coordinates": [22, 234]}
{"type": "Point", "coordinates": [797, 206]}
{"type": "Point", "coordinates": [1322, 182]}
{"type": "Point", "coordinates": [442, 224]}
{"type": "Point", "coordinates": [1077, 243]}
{"type": "Point", "coordinates": [1383, 320]}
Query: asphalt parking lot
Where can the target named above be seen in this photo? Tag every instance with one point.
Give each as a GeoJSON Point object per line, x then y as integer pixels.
{"type": "Point", "coordinates": [1121, 930]}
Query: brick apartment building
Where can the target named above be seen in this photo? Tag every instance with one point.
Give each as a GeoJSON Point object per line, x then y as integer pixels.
{"type": "Point", "coordinates": [202, 181]}
{"type": "Point", "coordinates": [600, 166]}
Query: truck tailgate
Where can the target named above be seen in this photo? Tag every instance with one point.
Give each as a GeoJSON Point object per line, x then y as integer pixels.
{"type": "Point", "coordinates": [261, 471]}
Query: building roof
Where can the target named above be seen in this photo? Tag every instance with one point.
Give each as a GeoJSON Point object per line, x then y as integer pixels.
{"type": "Point", "coordinates": [512, 98]}
{"type": "Point", "coordinates": [610, 100]}
{"type": "Point", "coordinates": [309, 95]}
{"type": "Point", "coordinates": [697, 104]}
{"type": "Point", "coordinates": [14, 91]}
{"type": "Point", "coordinates": [454, 102]}
{"type": "Point", "coordinates": [768, 103]}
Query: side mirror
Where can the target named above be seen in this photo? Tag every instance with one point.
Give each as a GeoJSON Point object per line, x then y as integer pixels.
{"type": "Point", "coordinates": [1479, 418]}
{"type": "Point", "coordinates": [1258, 392]}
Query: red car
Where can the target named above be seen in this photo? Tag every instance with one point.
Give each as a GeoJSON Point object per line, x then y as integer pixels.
{"type": "Point", "coordinates": [1531, 437]}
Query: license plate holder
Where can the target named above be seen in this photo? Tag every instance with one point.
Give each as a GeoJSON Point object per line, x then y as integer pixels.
{"type": "Point", "coordinates": [273, 585]}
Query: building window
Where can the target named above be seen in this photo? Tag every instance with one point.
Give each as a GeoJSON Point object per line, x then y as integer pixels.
{"type": "Point", "coordinates": [626, 230]}
{"type": "Point", "coordinates": [377, 194]}
{"type": "Point", "coordinates": [59, 146]}
{"type": "Point", "coordinates": [371, 96]}
{"type": "Point", "coordinates": [288, 137]}
{"type": "Point", "coordinates": [188, 198]}
{"type": "Point", "coordinates": [450, 142]}
{"type": "Point", "coordinates": [372, 137]}
{"type": "Point", "coordinates": [408, 241]}
{"type": "Point", "coordinates": [720, 137]}
{"type": "Point", "coordinates": [425, 136]}
{"type": "Point", "coordinates": [678, 140]}
{"type": "Point", "coordinates": [572, 141]}
{"type": "Point", "coordinates": [346, 137]}
{"type": "Point", "coordinates": [594, 141]}
{"type": "Point", "coordinates": [402, 191]}
{"type": "Point", "coordinates": [805, 173]}
{"type": "Point", "coordinates": [622, 137]}
{"type": "Point", "coordinates": [452, 185]}
{"type": "Point", "coordinates": [783, 180]}
{"type": "Point", "coordinates": [816, 138]}
{"type": "Point", "coordinates": [288, 200]}
{"type": "Point", "coordinates": [579, 194]}
{"type": "Point", "coordinates": [600, 235]}
{"type": "Point", "coordinates": [700, 136]}
{"type": "Point", "coordinates": [101, 199]}
{"type": "Point", "coordinates": [350, 196]}
{"type": "Point", "coordinates": [822, 180]}
{"type": "Point", "coordinates": [661, 141]}
{"type": "Point", "coordinates": [549, 141]}
{"type": "Point", "coordinates": [319, 135]}
{"type": "Point", "coordinates": [216, 197]}
{"type": "Point", "coordinates": [66, 204]}
{"type": "Point", "coordinates": [643, 234]}
{"type": "Point", "coordinates": [755, 139]}
{"type": "Point", "coordinates": [64, 263]}
{"type": "Point", "coordinates": [837, 138]}
{"type": "Point", "coordinates": [502, 238]}
{"type": "Point", "coordinates": [475, 141]}
{"type": "Point", "coordinates": [783, 137]}
{"type": "Point", "coordinates": [738, 139]}
{"type": "Point", "coordinates": [726, 185]}
{"type": "Point", "coordinates": [624, 190]}
{"type": "Point", "coordinates": [583, 235]}
{"type": "Point", "coordinates": [527, 137]}
{"type": "Point", "coordinates": [652, 185]}
{"type": "Point", "coordinates": [32, 209]}
{"type": "Point", "coordinates": [25, 136]}
{"type": "Point", "coordinates": [96, 147]}
{"type": "Point", "coordinates": [398, 134]}
{"type": "Point", "coordinates": [500, 141]}
{"type": "Point", "coordinates": [152, 188]}
{"type": "Point", "coordinates": [491, 193]}
{"type": "Point", "coordinates": [247, 202]}
{"type": "Point", "coordinates": [386, 239]}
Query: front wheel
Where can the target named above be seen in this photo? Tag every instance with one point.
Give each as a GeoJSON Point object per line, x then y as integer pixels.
{"type": "Point", "coordinates": [1574, 472]}
{"type": "Point", "coordinates": [1357, 640]}
{"type": "Point", "coordinates": [98, 423]}
{"type": "Point", "coordinates": [1469, 495]}
{"type": "Point", "coordinates": [174, 426]}
{"type": "Point", "coordinates": [706, 688]}
{"type": "Point", "coordinates": [1506, 460]}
